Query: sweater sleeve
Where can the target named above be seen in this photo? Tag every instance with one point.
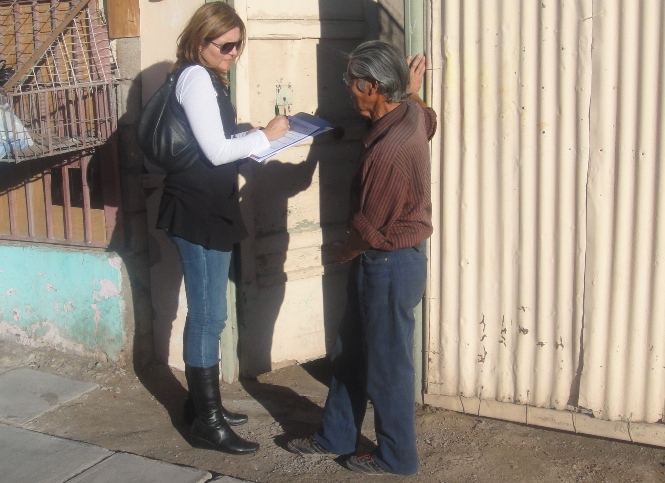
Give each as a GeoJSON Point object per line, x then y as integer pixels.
{"type": "Point", "coordinates": [382, 200]}
{"type": "Point", "coordinates": [197, 96]}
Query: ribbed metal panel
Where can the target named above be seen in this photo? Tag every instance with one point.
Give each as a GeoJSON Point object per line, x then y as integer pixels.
{"type": "Point", "coordinates": [545, 276]}
{"type": "Point", "coordinates": [624, 336]}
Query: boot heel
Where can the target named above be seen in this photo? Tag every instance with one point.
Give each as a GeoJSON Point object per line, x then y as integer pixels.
{"type": "Point", "coordinates": [201, 443]}
{"type": "Point", "coordinates": [232, 444]}
{"type": "Point", "coordinates": [210, 429]}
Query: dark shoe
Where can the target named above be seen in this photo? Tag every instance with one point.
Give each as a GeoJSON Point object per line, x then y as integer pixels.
{"type": "Point", "coordinates": [366, 465]}
{"type": "Point", "coordinates": [209, 429]}
{"type": "Point", "coordinates": [188, 411]}
{"type": "Point", "coordinates": [220, 437]}
{"type": "Point", "coordinates": [305, 446]}
{"type": "Point", "coordinates": [189, 414]}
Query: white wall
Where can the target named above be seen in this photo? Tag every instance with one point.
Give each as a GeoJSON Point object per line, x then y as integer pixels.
{"type": "Point", "coordinates": [161, 23]}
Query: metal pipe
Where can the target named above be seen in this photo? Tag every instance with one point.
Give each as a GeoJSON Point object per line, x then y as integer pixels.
{"type": "Point", "coordinates": [414, 30]}
{"type": "Point", "coordinates": [414, 43]}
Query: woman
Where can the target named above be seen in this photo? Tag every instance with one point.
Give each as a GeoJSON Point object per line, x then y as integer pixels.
{"type": "Point", "coordinates": [200, 209]}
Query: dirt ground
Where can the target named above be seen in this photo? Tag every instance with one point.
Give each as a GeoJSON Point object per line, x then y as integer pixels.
{"type": "Point", "coordinates": [140, 414]}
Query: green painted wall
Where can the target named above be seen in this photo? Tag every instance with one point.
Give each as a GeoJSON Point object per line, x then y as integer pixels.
{"type": "Point", "coordinates": [66, 298]}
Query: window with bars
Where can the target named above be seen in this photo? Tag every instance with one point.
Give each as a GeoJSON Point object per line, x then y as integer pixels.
{"type": "Point", "coordinates": [59, 179]}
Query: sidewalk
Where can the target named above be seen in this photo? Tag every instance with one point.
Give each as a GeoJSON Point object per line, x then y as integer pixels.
{"type": "Point", "coordinates": [28, 456]}
{"type": "Point", "coordinates": [68, 418]}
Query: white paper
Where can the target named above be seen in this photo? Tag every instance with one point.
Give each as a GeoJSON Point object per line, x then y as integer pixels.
{"type": "Point", "coordinates": [301, 127]}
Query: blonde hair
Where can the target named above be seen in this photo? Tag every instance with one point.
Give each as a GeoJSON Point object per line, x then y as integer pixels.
{"type": "Point", "coordinates": [208, 22]}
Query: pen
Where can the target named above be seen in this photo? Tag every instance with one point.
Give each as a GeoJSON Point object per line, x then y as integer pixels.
{"type": "Point", "coordinates": [276, 110]}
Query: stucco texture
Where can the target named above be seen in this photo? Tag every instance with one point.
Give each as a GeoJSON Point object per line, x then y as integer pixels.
{"type": "Point", "coordinates": [62, 297]}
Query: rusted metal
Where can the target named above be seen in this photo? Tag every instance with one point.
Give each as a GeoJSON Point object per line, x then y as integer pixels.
{"type": "Point", "coordinates": [60, 117]}
{"type": "Point", "coordinates": [41, 50]}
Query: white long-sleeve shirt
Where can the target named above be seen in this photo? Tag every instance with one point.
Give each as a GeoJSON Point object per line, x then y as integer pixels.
{"type": "Point", "coordinates": [195, 92]}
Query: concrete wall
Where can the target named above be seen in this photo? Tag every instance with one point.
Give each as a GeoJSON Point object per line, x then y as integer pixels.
{"type": "Point", "coordinates": [296, 203]}
{"type": "Point", "coordinates": [135, 254]}
{"type": "Point", "coordinates": [161, 23]}
{"type": "Point", "coordinates": [70, 299]}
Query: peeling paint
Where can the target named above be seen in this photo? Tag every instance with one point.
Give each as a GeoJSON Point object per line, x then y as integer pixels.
{"type": "Point", "coordinates": [98, 314]}
{"type": "Point", "coordinates": [45, 311]}
{"type": "Point", "coordinates": [50, 337]}
{"type": "Point", "coordinates": [115, 262]}
{"type": "Point", "coordinates": [108, 289]}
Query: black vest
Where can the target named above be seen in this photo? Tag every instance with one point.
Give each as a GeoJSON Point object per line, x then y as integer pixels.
{"type": "Point", "coordinates": [201, 204]}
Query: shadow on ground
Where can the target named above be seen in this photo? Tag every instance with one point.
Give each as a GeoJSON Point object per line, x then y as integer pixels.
{"type": "Point", "coordinates": [297, 413]}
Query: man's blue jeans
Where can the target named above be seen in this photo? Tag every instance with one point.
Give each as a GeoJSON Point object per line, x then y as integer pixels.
{"type": "Point", "coordinates": [206, 275]}
{"type": "Point", "coordinates": [373, 359]}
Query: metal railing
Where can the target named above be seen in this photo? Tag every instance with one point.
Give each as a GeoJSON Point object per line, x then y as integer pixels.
{"type": "Point", "coordinates": [59, 177]}
{"type": "Point", "coordinates": [50, 121]}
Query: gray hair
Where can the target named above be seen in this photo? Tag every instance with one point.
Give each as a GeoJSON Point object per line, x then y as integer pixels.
{"type": "Point", "coordinates": [385, 64]}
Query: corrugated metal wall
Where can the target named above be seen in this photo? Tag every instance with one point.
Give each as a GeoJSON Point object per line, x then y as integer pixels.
{"type": "Point", "coordinates": [545, 276]}
{"type": "Point", "coordinates": [624, 337]}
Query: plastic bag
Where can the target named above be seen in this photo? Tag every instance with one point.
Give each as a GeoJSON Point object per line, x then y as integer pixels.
{"type": "Point", "coordinates": [13, 135]}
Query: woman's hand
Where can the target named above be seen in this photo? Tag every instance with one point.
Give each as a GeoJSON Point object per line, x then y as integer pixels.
{"type": "Point", "coordinates": [417, 66]}
{"type": "Point", "coordinates": [276, 128]}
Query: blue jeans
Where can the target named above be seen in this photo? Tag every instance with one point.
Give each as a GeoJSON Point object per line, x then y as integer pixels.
{"type": "Point", "coordinates": [373, 359]}
{"type": "Point", "coordinates": [206, 275]}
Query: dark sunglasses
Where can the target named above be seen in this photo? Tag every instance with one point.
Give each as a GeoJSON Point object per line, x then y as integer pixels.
{"type": "Point", "coordinates": [228, 47]}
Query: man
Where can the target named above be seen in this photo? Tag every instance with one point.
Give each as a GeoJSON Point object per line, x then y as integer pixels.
{"type": "Point", "coordinates": [389, 221]}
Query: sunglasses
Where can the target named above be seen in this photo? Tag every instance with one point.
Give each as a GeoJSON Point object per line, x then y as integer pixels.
{"type": "Point", "coordinates": [228, 47]}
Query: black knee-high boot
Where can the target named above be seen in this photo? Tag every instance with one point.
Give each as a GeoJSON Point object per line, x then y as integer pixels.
{"type": "Point", "coordinates": [189, 413]}
{"type": "Point", "coordinates": [210, 430]}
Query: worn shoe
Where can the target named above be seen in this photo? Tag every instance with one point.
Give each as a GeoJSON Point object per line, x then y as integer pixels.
{"type": "Point", "coordinates": [365, 464]}
{"type": "Point", "coordinates": [305, 446]}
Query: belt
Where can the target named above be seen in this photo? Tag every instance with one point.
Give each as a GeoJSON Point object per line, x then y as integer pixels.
{"type": "Point", "coordinates": [419, 247]}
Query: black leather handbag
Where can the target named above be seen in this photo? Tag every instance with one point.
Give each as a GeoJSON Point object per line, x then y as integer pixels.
{"type": "Point", "coordinates": [164, 134]}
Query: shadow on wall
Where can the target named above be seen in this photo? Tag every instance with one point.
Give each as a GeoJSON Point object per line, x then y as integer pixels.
{"type": "Point", "coordinates": [155, 306]}
{"type": "Point", "coordinates": [276, 181]}
{"type": "Point", "coordinates": [271, 185]}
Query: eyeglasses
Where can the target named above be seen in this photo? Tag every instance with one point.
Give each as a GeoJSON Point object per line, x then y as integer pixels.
{"type": "Point", "coordinates": [348, 80]}
{"type": "Point", "coordinates": [228, 47]}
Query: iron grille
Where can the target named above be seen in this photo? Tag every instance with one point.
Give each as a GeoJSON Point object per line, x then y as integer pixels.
{"type": "Point", "coordinates": [59, 95]}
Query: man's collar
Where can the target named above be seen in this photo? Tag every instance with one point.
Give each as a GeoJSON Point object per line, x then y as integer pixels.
{"type": "Point", "coordinates": [383, 124]}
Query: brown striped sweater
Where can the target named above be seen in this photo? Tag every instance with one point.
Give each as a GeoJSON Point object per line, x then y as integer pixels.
{"type": "Point", "coordinates": [390, 203]}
